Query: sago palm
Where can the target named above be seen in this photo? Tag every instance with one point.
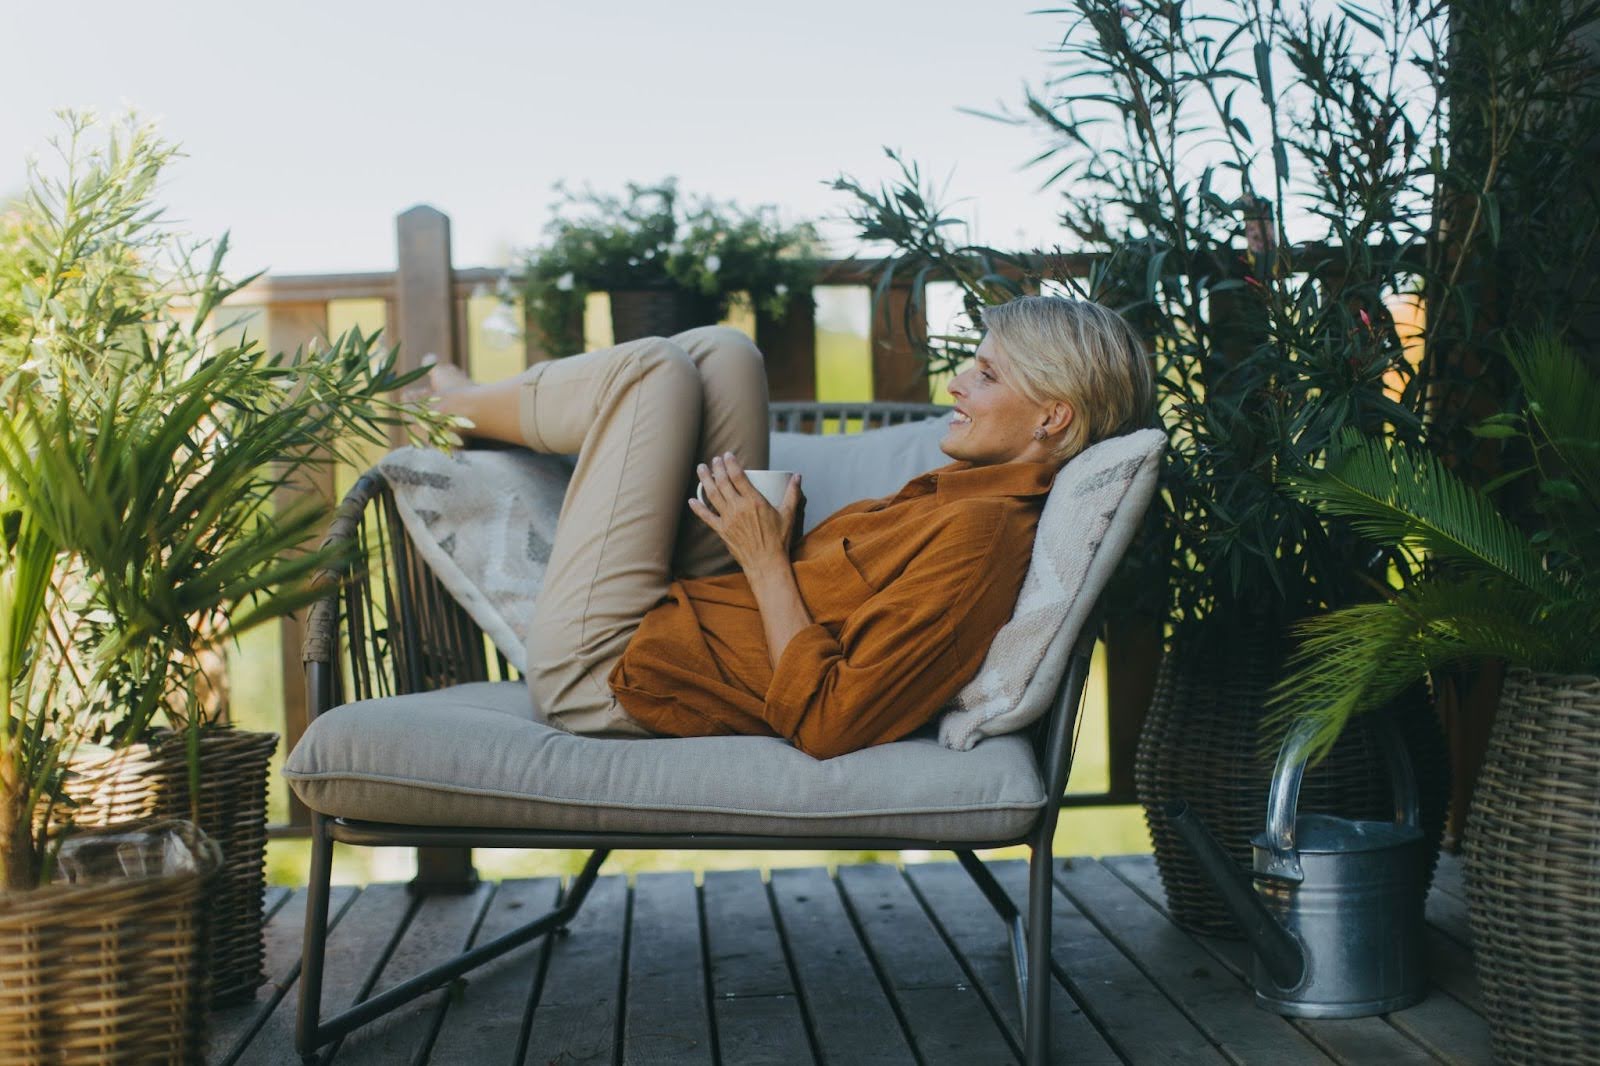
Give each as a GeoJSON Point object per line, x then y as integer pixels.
{"type": "Point", "coordinates": [1487, 589]}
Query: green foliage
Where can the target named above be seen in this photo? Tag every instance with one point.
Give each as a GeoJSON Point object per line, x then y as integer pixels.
{"type": "Point", "coordinates": [907, 216]}
{"type": "Point", "coordinates": [1517, 212]}
{"type": "Point", "coordinates": [1418, 150]}
{"type": "Point", "coordinates": [1266, 348]}
{"type": "Point", "coordinates": [649, 239]}
{"type": "Point", "coordinates": [1488, 590]}
{"type": "Point", "coordinates": [141, 455]}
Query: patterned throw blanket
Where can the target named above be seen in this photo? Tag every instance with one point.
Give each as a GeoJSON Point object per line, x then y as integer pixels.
{"type": "Point", "coordinates": [484, 522]}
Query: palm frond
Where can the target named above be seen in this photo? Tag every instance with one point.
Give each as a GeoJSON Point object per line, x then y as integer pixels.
{"type": "Point", "coordinates": [1398, 495]}
{"type": "Point", "coordinates": [1564, 400]}
{"type": "Point", "coordinates": [1354, 660]}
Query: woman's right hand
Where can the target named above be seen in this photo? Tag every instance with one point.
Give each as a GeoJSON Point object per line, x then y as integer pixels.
{"type": "Point", "coordinates": [757, 534]}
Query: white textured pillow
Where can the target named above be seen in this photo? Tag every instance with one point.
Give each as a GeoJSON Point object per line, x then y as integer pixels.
{"type": "Point", "coordinates": [484, 522]}
{"type": "Point", "coordinates": [840, 468]}
{"type": "Point", "coordinates": [1091, 514]}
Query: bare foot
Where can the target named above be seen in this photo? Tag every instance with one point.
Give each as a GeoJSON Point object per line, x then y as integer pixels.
{"type": "Point", "coordinates": [442, 379]}
{"type": "Point", "coordinates": [446, 378]}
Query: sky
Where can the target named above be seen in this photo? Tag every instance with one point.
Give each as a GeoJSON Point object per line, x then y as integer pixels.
{"type": "Point", "coordinates": [307, 127]}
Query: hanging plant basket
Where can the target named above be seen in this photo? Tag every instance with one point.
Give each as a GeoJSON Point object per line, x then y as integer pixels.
{"type": "Point", "coordinates": [1200, 743]}
{"type": "Point", "coordinates": [659, 312]}
{"type": "Point", "coordinates": [152, 781]}
{"type": "Point", "coordinates": [108, 970]}
{"type": "Point", "coordinates": [1533, 870]}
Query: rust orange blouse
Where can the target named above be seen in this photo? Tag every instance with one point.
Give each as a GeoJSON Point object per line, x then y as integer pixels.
{"type": "Point", "coordinates": [905, 594]}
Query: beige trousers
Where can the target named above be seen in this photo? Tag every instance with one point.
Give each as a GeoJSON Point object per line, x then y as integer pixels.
{"type": "Point", "coordinates": [639, 416]}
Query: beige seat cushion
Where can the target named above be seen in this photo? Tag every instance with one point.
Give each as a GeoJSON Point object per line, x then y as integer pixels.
{"type": "Point", "coordinates": [478, 755]}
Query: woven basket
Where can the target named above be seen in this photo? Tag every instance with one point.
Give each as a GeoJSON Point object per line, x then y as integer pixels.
{"type": "Point", "coordinates": [1201, 741]}
{"type": "Point", "coordinates": [1533, 870]}
{"type": "Point", "coordinates": [108, 973]}
{"type": "Point", "coordinates": [639, 313]}
{"type": "Point", "coordinates": [152, 781]}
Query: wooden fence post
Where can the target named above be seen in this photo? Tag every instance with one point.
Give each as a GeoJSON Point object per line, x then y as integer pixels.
{"type": "Point", "coordinates": [425, 316]}
{"type": "Point", "coordinates": [898, 372]}
{"type": "Point", "coordinates": [424, 312]}
{"type": "Point", "coordinates": [790, 347]}
{"type": "Point", "coordinates": [291, 326]}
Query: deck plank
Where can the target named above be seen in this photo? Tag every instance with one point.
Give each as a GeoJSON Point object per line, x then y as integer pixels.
{"type": "Point", "coordinates": [440, 929]}
{"type": "Point", "coordinates": [981, 939]}
{"type": "Point", "coordinates": [856, 1023]}
{"type": "Point", "coordinates": [1448, 913]}
{"type": "Point", "coordinates": [1448, 1028]}
{"type": "Point", "coordinates": [272, 898]}
{"type": "Point", "coordinates": [1215, 1001]}
{"type": "Point", "coordinates": [1135, 1015]}
{"type": "Point", "coordinates": [575, 1019]}
{"type": "Point", "coordinates": [947, 1018]}
{"type": "Point", "coordinates": [1350, 1041]}
{"type": "Point", "coordinates": [877, 964]}
{"type": "Point", "coordinates": [1452, 968]}
{"type": "Point", "coordinates": [355, 949]}
{"type": "Point", "coordinates": [483, 1025]}
{"type": "Point", "coordinates": [1450, 876]}
{"type": "Point", "coordinates": [282, 935]}
{"type": "Point", "coordinates": [761, 1031]}
{"type": "Point", "coordinates": [666, 1019]}
{"type": "Point", "coordinates": [754, 1004]}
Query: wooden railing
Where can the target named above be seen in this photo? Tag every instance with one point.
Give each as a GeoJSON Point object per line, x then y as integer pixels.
{"type": "Point", "coordinates": [425, 302]}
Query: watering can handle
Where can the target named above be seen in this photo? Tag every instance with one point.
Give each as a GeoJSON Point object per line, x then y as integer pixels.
{"type": "Point", "coordinates": [1284, 799]}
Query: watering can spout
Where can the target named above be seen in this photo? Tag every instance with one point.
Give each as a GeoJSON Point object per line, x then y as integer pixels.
{"type": "Point", "coordinates": [1273, 945]}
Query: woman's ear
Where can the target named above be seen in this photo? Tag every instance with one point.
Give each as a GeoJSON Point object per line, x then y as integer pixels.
{"type": "Point", "coordinates": [1058, 416]}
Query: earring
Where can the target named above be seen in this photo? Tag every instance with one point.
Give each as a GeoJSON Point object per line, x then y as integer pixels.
{"type": "Point", "coordinates": [1039, 434]}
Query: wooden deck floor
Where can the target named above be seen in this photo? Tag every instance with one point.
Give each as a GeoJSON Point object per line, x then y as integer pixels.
{"type": "Point", "coordinates": [874, 965]}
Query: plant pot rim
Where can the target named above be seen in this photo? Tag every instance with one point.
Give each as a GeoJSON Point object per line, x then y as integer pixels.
{"type": "Point", "coordinates": [1556, 677]}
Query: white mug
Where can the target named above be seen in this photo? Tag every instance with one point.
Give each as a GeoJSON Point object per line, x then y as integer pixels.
{"type": "Point", "coordinates": [770, 483]}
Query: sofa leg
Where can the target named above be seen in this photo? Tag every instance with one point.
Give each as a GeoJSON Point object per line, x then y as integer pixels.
{"type": "Point", "coordinates": [1036, 1029]}
{"type": "Point", "coordinates": [312, 1032]}
{"type": "Point", "coordinates": [443, 872]}
{"type": "Point", "coordinates": [314, 947]}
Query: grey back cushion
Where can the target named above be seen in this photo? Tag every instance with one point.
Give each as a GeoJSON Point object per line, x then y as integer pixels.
{"type": "Point", "coordinates": [840, 468]}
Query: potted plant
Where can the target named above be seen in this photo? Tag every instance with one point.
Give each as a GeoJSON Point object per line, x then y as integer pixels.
{"type": "Point", "coordinates": [140, 456]}
{"type": "Point", "coordinates": [1528, 596]}
{"type": "Point", "coordinates": [667, 266]}
{"type": "Point", "coordinates": [1266, 349]}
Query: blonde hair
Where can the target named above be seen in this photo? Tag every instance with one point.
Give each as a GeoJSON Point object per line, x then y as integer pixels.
{"type": "Point", "coordinates": [1082, 354]}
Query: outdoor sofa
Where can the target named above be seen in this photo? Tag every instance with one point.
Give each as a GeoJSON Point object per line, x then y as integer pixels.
{"type": "Point", "coordinates": [420, 735]}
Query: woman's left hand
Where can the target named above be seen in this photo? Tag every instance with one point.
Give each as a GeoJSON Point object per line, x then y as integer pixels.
{"type": "Point", "coordinates": [756, 533]}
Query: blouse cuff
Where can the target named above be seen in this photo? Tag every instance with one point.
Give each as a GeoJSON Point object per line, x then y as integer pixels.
{"type": "Point", "coordinates": [800, 670]}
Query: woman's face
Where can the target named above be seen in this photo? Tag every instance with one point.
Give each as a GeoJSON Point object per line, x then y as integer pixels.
{"type": "Point", "coordinates": [992, 422]}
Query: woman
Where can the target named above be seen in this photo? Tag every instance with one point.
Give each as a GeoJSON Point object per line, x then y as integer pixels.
{"type": "Point", "coordinates": [864, 630]}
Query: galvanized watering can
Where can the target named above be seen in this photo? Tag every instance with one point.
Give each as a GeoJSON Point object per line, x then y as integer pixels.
{"type": "Point", "coordinates": [1335, 917]}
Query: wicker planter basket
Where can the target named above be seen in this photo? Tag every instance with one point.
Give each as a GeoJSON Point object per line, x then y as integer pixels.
{"type": "Point", "coordinates": [1200, 743]}
{"type": "Point", "coordinates": [1533, 870]}
{"type": "Point", "coordinates": [109, 972]}
{"type": "Point", "coordinates": [152, 781]}
{"type": "Point", "coordinates": [639, 313]}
